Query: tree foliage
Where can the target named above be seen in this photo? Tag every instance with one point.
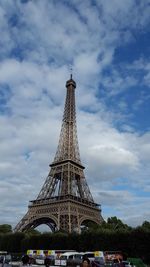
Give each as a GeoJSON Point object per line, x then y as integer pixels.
{"type": "Point", "coordinates": [5, 228]}
{"type": "Point", "coordinates": [32, 232]}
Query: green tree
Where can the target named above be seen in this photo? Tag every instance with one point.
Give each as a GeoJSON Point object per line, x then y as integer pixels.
{"type": "Point", "coordinates": [12, 242]}
{"type": "Point", "coordinates": [116, 224]}
{"type": "Point", "coordinates": [32, 232]}
{"type": "Point", "coordinates": [5, 228]}
{"type": "Point", "coordinates": [146, 225]}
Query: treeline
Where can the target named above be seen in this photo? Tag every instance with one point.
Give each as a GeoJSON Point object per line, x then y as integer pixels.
{"type": "Point", "coordinates": [133, 242]}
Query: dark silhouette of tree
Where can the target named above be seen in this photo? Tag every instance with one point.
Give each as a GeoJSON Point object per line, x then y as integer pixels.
{"type": "Point", "coordinates": [5, 228]}
{"type": "Point", "coordinates": [32, 232]}
{"type": "Point", "coordinates": [146, 225]}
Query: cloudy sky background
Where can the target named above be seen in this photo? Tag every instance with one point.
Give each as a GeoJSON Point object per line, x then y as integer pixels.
{"type": "Point", "coordinates": [107, 44]}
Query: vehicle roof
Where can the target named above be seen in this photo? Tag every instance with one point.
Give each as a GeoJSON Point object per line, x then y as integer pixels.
{"type": "Point", "coordinates": [88, 252]}
{"type": "Point", "coordinates": [71, 253]}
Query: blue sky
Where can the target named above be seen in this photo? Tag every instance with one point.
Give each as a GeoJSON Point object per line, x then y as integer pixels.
{"type": "Point", "coordinates": [107, 44]}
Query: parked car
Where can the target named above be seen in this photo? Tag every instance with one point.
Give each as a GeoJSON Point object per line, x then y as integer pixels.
{"type": "Point", "coordinates": [5, 258]}
{"type": "Point", "coordinates": [71, 258]}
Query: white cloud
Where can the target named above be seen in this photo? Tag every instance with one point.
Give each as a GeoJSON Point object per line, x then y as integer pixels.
{"type": "Point", "coordinates": [38, 42]}
{"type": "Point", "coordinates": [115, 156]}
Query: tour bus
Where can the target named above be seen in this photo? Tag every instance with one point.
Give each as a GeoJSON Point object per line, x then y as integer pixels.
{"type": "Point", "coordinates": [38, 256]}
{"type": "Point", "coordinates": [56, 253]}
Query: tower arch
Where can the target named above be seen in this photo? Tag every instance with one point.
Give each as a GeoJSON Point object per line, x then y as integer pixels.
{"type": "Point", "coordinates": [35, 222]}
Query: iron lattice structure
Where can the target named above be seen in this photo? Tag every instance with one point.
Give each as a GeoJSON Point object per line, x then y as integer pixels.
{"type": "Point", "coordinates": [64, 201]}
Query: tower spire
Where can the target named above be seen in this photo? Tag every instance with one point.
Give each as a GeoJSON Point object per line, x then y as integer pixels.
{"type": "Point", "coordinates": [68, 148]}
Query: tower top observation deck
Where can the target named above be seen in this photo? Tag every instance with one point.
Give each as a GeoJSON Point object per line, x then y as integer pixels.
{"type": "Point", "coordinates": [71, 82]}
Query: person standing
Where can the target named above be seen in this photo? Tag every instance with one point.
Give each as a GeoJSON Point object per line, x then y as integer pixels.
{"type": "Point", "coordinates": [2, 260]}
{"type": "Point", "coordinates": [25, 261]}
{"type": "Point", "coordinates": [47, 262]}
{"type": "Point", "coordinates": [85, 263]}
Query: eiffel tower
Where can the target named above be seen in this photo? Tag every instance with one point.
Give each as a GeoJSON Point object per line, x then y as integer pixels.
{"type": "Point", "coordinates": [64, 202]}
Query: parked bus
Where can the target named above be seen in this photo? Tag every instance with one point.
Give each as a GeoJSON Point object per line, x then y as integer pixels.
{"type": "Point", "coordinates": [47, 252]}
{"type": "Point", "coordinates": [38, 256]}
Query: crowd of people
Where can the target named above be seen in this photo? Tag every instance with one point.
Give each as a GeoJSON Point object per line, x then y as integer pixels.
{"type": "Point", "coordinates": [26, 262]}
{"type": "Point", "coordinates": [85, 262]}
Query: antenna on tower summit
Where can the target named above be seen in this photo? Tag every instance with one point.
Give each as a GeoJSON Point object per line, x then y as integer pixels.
{"type": "Point", "coordinates": [71, 71]}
